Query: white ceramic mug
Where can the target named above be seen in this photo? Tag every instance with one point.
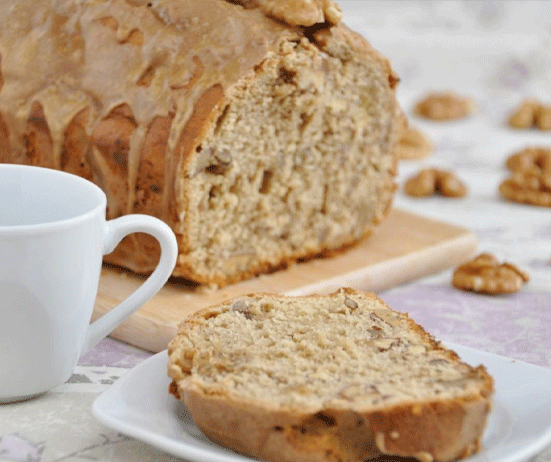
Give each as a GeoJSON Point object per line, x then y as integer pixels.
{"type": "Point", "coordinates": [53, 235]}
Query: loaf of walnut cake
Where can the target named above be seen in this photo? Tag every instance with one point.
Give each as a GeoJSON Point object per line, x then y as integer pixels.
{"type": "Point", "coordinates": [262, 132]}
{"type": "Point", "coordinates": [329, 378]}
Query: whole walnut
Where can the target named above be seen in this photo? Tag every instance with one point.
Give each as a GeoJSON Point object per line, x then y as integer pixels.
{"type": "Point", "coordinates": [485, 275]}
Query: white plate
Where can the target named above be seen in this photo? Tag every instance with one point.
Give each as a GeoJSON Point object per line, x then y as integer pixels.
{"type": "Point", "coordinates": [139, 405]}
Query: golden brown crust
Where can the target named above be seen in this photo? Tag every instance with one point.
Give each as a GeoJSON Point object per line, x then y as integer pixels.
{"type": "Point", "coordinates": [75, 155]}
{"type": "Point", "coordinates": [152, 174]}
{"type": "Point", "coordinates": [110, 150]}
{"type": "Point", "coordinates": [433, 429]}
{"type": "Point", "coordinates": [38, 139]}
{"type": "Point", "coordinates": [5, 152]}
{"type": "Point", "coordinates": [439, 430]}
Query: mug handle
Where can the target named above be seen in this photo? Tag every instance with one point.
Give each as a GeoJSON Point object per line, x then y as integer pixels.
{"type": "Point", "coordinates": [114, 231]}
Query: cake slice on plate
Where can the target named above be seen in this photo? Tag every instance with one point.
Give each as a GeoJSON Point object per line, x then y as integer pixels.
{"type": "Point", "coordinates": [340, 377]}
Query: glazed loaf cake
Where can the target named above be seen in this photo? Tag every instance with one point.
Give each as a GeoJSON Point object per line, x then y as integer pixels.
{"type": "Point", "coordinates": [326, 378]}
{"type": "Point", "coordinates": [262, 132]}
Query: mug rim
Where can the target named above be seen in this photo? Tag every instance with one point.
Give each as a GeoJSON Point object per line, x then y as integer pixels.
{"type": "Point", "coordinates": [57, 225]}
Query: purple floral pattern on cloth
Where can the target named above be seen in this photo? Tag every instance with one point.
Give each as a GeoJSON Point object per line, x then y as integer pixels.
{"type": "Point", "coordinates": [109, 352]}
{"type": "Point", "coordinates": [18, 449]}
{"type": "Point", "coordinates": [516, 326]}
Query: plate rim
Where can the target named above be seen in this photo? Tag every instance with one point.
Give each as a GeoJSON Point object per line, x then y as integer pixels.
{"type": "Point", "coordinates": [158, 441]}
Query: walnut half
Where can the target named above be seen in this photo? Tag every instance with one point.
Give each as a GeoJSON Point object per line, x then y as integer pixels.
{"type": "Point", "coordinates": [414, 144]}
{"type": "Point", "coordinates": [445, 106]}
{"type": "Point", "coordinates": [433, 181]}
{"type": "Point", "coordinates": [530, 182]}
{"type": "Point", "coordinates": [531, 113]}
{"type": "Point", "coordinates": [528, 188]}
{"type": "Point", "coordinates": [485, 275]}
{"type": "Point", "coordinates": [530, 160]}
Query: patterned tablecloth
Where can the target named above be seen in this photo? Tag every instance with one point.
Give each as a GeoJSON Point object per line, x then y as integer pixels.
{"type": "Point", "coordinates": [494, 51]}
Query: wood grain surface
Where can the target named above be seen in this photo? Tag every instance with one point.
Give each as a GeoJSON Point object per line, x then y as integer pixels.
{"type": "Point", "coordinates": [404, 247]}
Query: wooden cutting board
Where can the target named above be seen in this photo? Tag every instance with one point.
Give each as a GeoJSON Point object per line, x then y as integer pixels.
{"type": "Point", "coordinates": [403, 248]}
